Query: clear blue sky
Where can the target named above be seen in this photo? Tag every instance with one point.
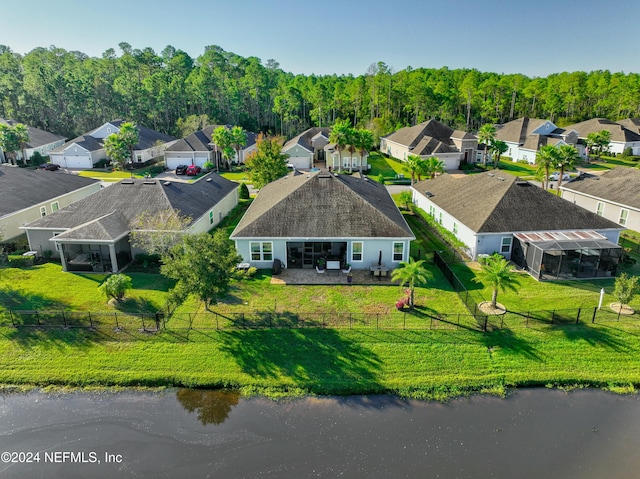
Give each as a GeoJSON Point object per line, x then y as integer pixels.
{"type": "Point", "coordinates": [533, 37]}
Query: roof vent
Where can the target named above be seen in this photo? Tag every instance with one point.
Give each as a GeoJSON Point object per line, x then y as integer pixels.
{"type": "Point", "coordinates": [127, 182]}
{"type": "Point", "coordinates": [209, 180]}
{"type": "Point", "coordinates": [522, 183]}
{"type": "Point", "coordinates": [500, 178]}
{"type": "Point", "coordinates": [428, 194]}
{"type": "Point", "coordinates": [490, 174]}
{"type": "Point", "coordinates": [149, 182]}
{"type": "Point", "coordinates": [166, 183]}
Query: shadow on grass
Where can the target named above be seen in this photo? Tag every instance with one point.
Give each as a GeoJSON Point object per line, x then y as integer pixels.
{"type": "Point", "coordinates": [54, 337]}
{"type": "Point", "coordinates": [596, 337]}
{"type": "Point", "coordinates": [509, 342]}
{"type": "Point", "coordinates": [317, 360]}
{"type": "Point", "coordinates": [136, 305]}
{"type": "Point", "coordinates": [15, 299]}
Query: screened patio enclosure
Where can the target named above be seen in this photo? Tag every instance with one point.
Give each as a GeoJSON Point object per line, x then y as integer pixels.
{"type": "Point", "coordinates": [574, 255]}
{"type": "Point", "coordinates": [305, 254]}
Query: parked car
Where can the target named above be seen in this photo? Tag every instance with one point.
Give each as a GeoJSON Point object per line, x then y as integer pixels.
{"type": "Point", "coordinates": [556, 174]}
{"type": "Point", "coordinates": [181, 169]}
{"type": "Point", "coordinates": [49, 167]}
{"type": "Point", "coordinates": [193, 170]}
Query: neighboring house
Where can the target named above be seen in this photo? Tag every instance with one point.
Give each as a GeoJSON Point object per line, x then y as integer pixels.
{"type": "Point", "coordinates": [198, 148]}
{"type": "Point", "coordinates": [615, 195]}
{"type": "Point", "coordinates": [85, 151]}
{"type": "Point", "coordinates": [550, 237]}
{"type": "Point", "coordinates": [307, 148]}
{"type": "Point", "coordinates": [302, 218]}
{"type": "Point", "coordinates": [632, 124]}
{"type": "Point", "coordinates": [351, 163]}
{"type": "Point", "coordinates": [26, 195]}
{"type": "Point", "coordinates": [525, 136]}
{"type": "Point", "coordinates": [93, 234]}
{"type": "Point", "coordinates": [621, 137]}
{"type": "Point", "coordinates": [39, 140]}
{"type": "Point", "coordinates": [429, 139]}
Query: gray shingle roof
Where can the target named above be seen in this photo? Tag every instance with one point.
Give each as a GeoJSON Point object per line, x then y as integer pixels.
{"type": "Point", "coordinates": [518, 130]}
{"type": "Point", "coordinates": [501, 203]}
{"type": "Point", "coordinates": [146, 136]}
{"type": "Point", "coordinates": [87, 142]}
{"type": "Point", "coordinates": [96, 214]}
{"type": "Point", "coordinates": [201, 140]}
{"type": "Point", "coordinates": [305, 138]}
{"type": "Point", "coordinates": [321, 205]}
{"type": "Point", "coordinates": [411, 136]}
{"type": "Point", "coordinates": [21, 188]}
{"type": "Point", "coordinates": [632, 124]}
{"type": "Point", "coordinates": [618, 185]}
{"type": "Point", "coordinates": [37, 137]}
{"type": "Point", "coordinates": [618, 132]}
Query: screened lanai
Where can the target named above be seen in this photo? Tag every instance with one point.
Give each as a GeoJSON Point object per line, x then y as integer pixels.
{"type": "Point", "coordinates": [566, 255]}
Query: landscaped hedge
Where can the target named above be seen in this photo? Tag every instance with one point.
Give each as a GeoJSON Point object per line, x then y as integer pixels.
{"type": "Point", "coordinates": [19, 261]}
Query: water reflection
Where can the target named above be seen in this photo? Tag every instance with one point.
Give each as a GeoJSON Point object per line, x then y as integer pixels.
{"type": "Point", "coordinates": [212, 407]}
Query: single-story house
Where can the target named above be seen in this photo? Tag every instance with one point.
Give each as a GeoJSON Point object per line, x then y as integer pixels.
{"type": "Point", "coordinates": [307, 148]}
{"type": "Point", "coordinates": [198, 148]}
{"type": "Point", "coordinates": [93, 233]}
{"type": "Point", "coordinates": [620, 136]}
{"type": "Point", "coordinates": [615, 195]}
{"type": "Point", "coordinates": [525, 136]}
{"type": "Point", "coordinates": [306, 217]}
{"type": "Point", "coordinates": [26, 195]}
{"type": "Point", "coordinates": [86, 150]}
{"type": "Point", "coordinates": [357, 162]}
{"type": "Point", "coordinates": [495, 212]}
{"type": "Point", "coordinates": [432, 138]}
{"type": "Point", "coordinates": [39, 140]}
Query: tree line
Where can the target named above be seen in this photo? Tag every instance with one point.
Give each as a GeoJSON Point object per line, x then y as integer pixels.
{"type": "Point", "coordinates": [70, 93]}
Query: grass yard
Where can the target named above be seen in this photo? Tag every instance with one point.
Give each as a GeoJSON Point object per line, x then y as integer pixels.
{"type": "Point", "coordinates": [281, 362]}
{"type": "Point", "coordinates": [115, 175]}
{"type": "Point", "coordinates": [238, 177]}
{"type": "Point", "coordinates": [387, 167]}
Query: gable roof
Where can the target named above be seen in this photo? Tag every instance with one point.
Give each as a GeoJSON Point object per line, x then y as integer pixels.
{"type": "Point", "coordinates": [632, 124]}
{"type": "Point", "coordinates": [202, 140]}
{"type": "Point", "coordinates": [107, 212]}
{"type": "Point", "coordinates": [305, 139]}
{"type": "Point", "coordinates": [502, 203]}
{"type": "Point", "coordinates": [618, 185]}
{"type": "Point", "coordinates": [146, 136]}
{"type": "Point", "coordinates": [37, 137]}
{"type": "Point", "coordinates": [87, 142]}
{"type": "Point", "coordinates": [412, 136]}
{"type": "Point", "coordinates": [518, 130]}
{"type": "Point", "coordinates": [618, 132]}
{"type": "Point", "coordinates": [323, 205]}
{"type": "Point", "coordinates": [21, 188]}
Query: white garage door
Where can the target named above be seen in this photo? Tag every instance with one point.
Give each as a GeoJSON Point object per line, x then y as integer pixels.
{"type": "Point", "coordinates": [173, 162]}
{"type": "Point", "coordinates": [200, 161]}
{"type": "Point", "coordinates": [299, 162]}
{"type": "Point", "coordinates": [77, 162]}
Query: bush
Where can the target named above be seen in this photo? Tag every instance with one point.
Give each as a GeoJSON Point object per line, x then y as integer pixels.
{"type": "Point", "coordinates": [381, 179]}
{"type": "Point", "coordinates": [116, 285]}
{"type": "Point", "coordinates": [156, 169]}
{"type": "Point", "coordinates": [243, 193]}
{"type": "Point", "coordinates": [19, 261]}
{"type": "Point", "coordinates": [103, 163]}
{"type": "Point", "coordinates": [147, 259]}
{"type": "Point", "coordinates": [628, 151]}
{"type": "Point", "coordinates": [37, 159]}
{"type": "Point", "coordinates": [209, 165]}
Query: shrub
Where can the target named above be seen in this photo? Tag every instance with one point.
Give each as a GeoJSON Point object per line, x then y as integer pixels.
{"type": "Point", "coordinates": [156, 169]}
{"type": "Point", "coordinates": [209, 165]}
{"type": "Point", "coordinates": [116, 286]}
{"type": "Point", "coordinates": [381, 179]}
{"type": "Point", "coordinates": [625, 288]}
{"type": "Point", "coordinates": [103, 163]}
{"type": "Point", "coordinates": [146, 259]}
{"type": "Point", "coordinates": [37, 159]}
{"type": "Point", "coordinates": [628, 151]}
{"type": "Point", "coordinates": [243, 193]}
{"type": "Point", "coordinates": [19, 261]}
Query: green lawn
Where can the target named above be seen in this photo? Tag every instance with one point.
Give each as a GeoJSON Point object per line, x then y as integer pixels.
{"type": "Point", "coordinates": [115, 175]}
{"type": "Point", "coordinates": [388, 167]}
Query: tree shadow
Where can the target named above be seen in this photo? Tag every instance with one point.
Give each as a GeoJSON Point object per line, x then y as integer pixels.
{"type": "Point", "coordinates": [510, 343]}
{"type": "Point", "coordinates": [211, 407]}
{"type": "Point", "coordinates": [54, 337]}
{"type": "Point", "coordinates": [596, 337]}
{"type": "Point", "coordinates": [318, 360]}
{"type": "Point", "coordinates": [136, 305]}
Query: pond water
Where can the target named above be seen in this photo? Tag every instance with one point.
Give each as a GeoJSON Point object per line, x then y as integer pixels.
{"type": "Point", "coordinates": [217, 434]}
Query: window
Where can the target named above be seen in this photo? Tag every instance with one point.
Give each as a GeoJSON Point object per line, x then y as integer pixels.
{"type": "Point", "coordinates": [440, 218]}
{"type": "Point", "coordinates": [261, 251]}
{"type": "Point", "coordinates": [139, 158]}
{"type": "Point", "coordinates": [600, 208]}
{"type": "Point", "coordinates": [398, 251]}
{"type": "Point", "coordinates": [211, 217]}
{"type": "Point", "coordinates": [356, 251]}
{"type": "Point", "coordinates": [455, 229]}
{"type": "Point", "coordinates": [623, 217]}
{"type": "Point", "coordinates": [505, 246]}
{"type": "Point", "coordinates": [432, 210]}
{"type": "Point", "coordinates": [55, 206]}
{"type": "Point", "coordinates": [57, 245]}
{"type": "Point", "coordinates": [43, 211]}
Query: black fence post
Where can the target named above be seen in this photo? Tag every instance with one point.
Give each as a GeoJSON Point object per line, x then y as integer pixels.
{"type": "Point", "coordinates": [578, 318]}
{"type": "Point", "coordinates": [64, 319]}
{"type": "Point", "coordinates": [142, 320]}
{"type": "Point", "coordinates": [486, 320]}
{"type": "Point", "coordinates": [13, 323]}
{"type": "Point", "coordinates": [553, 315]}
{"type": "Point", "coordinates": [527, 323]}
{"type": "Point", "coordinates": [115, 315]}
{"type": "Point", "coordinates": [595, 311]}
{"type": "Point", "coordinates": [38, 317]}
{"type": "Point", "coordinates": [216, 321]}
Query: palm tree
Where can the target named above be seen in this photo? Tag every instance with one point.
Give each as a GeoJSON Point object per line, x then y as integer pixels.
{"type": "Point", "coordinates": [498, 273]}
{"type": "Point", "coordinates": [486, 136]}
{"type": "Point", "coordinates": [432, 166]}
{"type": "Point", "coordinates": [238, 140]}
{"type": "Point", "coordinates": [498, 148]}
{"type": "Point", "coordinates": [413, 165]}
{"type": "Point", "coordinates": [223, 141]}
{"type": "Point", "coordinates": [546, 158]}
{"type": "Point", "coordinates": [340, 137]}
{"type": "Point", "coordinates": [366, 143]}
{"type": "Point", "coordinates": [567, 159]}
{"type": "Point", "coordinates": [411, 272]}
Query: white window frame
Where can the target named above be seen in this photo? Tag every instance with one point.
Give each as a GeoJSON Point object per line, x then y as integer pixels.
{"type": "Point", "coordinates": [139, 157]}
{"type": "Point", "coordinates": [56, 244]}
{"type": "Point", "coordinates": [600, 208]}
{"type": "Point", "coordinates": [261, 252]}
{"type": "Point", "coordinates": [211, 217]}
{"type": "Point", "coordinates": [361, 253]}
{"type": "Point", "coordinates": [43, 211]}
{"type": "Point", "coordinates": [440, 218]}
{"type": "Point", "coordinates": [503, 244]}
{"type": "Point", "coordinates": [393, 251]}
{"type": "Point", "coordinates": [55, 206]}
{"type": "Point", "coordinates": [455, 229]}
{"type": "Point", "coordinates": [624, 216]}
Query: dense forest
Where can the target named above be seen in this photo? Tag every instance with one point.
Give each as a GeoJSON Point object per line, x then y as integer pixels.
{"type": "Point", "coordinates": [69, 93]}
